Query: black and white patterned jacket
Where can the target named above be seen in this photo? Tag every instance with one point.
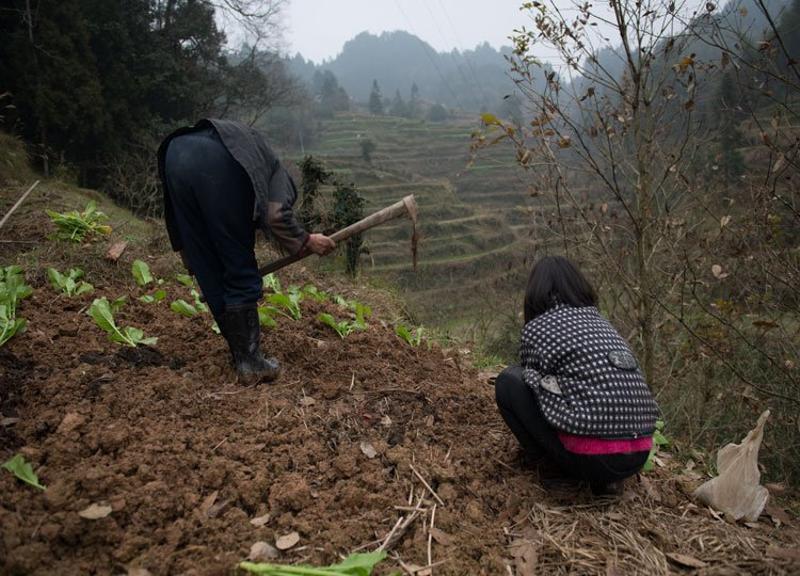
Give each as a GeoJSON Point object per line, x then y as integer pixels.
{"type": "Point", "coordinates": [584, 375]}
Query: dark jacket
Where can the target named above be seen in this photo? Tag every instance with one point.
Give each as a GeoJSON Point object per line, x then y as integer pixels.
{"type": "Point", "coordinates": [275, 192]}
{"type": "Point", "coordinates": [585, 376]}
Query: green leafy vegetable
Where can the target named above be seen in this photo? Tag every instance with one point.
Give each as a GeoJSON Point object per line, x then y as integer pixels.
{"type": "Point", "coordinates": [343, 328]}
{"type": "Point", "coordinates": [362, 313]}
{"type": "Point", "coordinates": [70, 283]}
{"type": "Point", "coordinates": [13, 287]}
{"type": "Point", "coordinates": [118, 304]}
{"type": "Point", "coordinates": [287, 304]}
{"type": "Point", "coordinates": [22, 470]}
{"type": "Point", "coordinates": [198, 301]}
{"type": "Point", "coordinates": [411, 337]}
{"type": "Point", "coordinates": [156, 296]}
{"type": "Point", "coordinates": [101, 313]}
{"type": "Point", "coordinates": [183, 308]}
{"type": "Point", "coordinates": [265, 317]}
{"type": "Point", "coordinates": [659, 440]}
{"type": "Point", "coordinates": [9, 324]}
{"type": "Point", "coordinates": [185, 279]}
{"type": "Point", "coordinates": [353, 565]}
{"type": "Point", "coordinates": [315, 293]}
{"type": "Point", "coordinates": [12, 290]}
{"type": "Point", "coordinates": [141, 273]}
{"type": "Point", "coordinates": [77, 226]}
{"type": "Point", "coordinates": [271, 281]}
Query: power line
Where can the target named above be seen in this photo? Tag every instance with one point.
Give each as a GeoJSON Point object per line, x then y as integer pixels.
{"type": "Point", "coordinates": [452, 56]}
{"type": "Point", "coordinates": [433, 62]}
{"type": "Point", "coordinates": [461, 44]}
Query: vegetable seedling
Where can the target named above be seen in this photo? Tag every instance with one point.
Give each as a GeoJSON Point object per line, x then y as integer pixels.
{"type": "Point", "coordinates": [286, 304]}
{"type": "Point", "coordinates": [198, 301]}
{"type": "Point", "coordinates": [315, 293]}
{"type": "Point", "coordinates": [271, 281]}
{"type": "Point", "coordinates": [77, 226]}
{"type": "Point", "coordinates": [265, 316]}
{"type": "Point", "coordinates": [185, 279]}
{"type": "Point", "coordinates": [353, 565]}
{"type": "Point", "coordinates": [10, 325]}
{"type": "Point", "coordinates": [153, 298]}
{"type": "Point", "coordinates": [12, 290]}
{"type": "Point", "coordinates": [141, 273]}
{"type": "Point", "coordinates": [22, 470]}
{"type": "Point", "coordinates": [183, 308]}
{"type": "Point", "coordinates": [362, 312]}
{"type": "Point", "coordinates": [69, 283]}
{"type": "Point", "coordinates": [118, 304]}
{"type": "Point", "coordinates": [412, 338]}
{"type": "Point", "coordinates": [102, 314]}
{"type": "Point", "coordinates": [342, 327]}
{"type": "Point", "coordinates": [13, 287]}
{"type": "Point", "coordinates": [659, 440]}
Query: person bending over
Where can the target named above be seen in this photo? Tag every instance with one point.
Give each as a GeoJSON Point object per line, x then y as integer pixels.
{"type": "Point", "coordinates": [221, 181]}
{"type": "Point", "coordinates": [579, 397]}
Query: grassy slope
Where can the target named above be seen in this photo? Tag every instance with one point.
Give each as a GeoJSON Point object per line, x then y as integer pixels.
{"type": "Point", "coordinates": [472, 213]}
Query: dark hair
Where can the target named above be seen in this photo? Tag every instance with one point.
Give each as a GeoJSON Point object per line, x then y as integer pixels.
{"type": "Point", "coordinates": [556, 280]}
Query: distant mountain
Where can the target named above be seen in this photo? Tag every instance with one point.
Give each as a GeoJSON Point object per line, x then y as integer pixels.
{"type": "Point", "coordinates": [472, 80]}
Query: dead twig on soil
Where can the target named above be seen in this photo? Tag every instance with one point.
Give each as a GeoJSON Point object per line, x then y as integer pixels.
{"type": "Point", "coordinates": [428, 486]}
{"type": "Point", "coordinates": [430, 537]}
{"type": "Point", "coordinates": [400, 527]}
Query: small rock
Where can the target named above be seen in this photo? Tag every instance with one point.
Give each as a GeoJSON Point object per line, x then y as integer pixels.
{"type": "Point", "coordinates": [95, 512]}
{"type": "Point", "coordinates": [262, 552]}
{"type": "Point", "coordinates": [474, 512]}
{"type": "Point", "coordinates": [287, 541]}
{"type": "Point", "coordinates": [368, 450]}
{"type": "Point", "coordinates": [260, 521]}
{"type": "Point", "coordinates": [71, 421]}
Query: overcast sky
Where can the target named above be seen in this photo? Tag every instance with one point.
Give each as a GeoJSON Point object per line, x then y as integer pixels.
{"type": "Point", "coordinates": [319, 28]}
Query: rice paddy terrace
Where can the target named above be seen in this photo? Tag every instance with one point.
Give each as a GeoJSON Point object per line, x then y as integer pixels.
{"type": "Point", "coordinates": [473, 211]}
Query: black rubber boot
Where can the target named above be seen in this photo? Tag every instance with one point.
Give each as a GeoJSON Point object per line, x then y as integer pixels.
{"type": "Point", "coordinates": [241, 329]}
{"type": "Point", "coordinates": [610, 489]}
{"type": "Point", "coordinates": [220, 320]}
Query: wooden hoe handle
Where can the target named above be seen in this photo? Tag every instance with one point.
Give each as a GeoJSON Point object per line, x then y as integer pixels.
{"type": "Point", "coordinates": [405, 207]}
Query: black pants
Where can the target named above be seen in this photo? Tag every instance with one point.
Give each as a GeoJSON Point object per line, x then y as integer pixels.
{"type": "Point", "coordinates": [213, 200]}
{"type": "Point", "coordinates": [521, 412]}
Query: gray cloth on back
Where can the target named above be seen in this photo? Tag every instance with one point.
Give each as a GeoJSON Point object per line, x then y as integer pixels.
{"type": "Point", "coordinates": [274, 189]}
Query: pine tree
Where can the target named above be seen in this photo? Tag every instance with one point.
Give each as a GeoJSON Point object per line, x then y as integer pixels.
{"type": "Point", "coordinates": [375, 99]}
{"type": "Point", "coordinates": [731, 162]}
{"type": "Point", "coordinates": [413, 103]}
{"type": "Point", "coordinates": [399, 107]}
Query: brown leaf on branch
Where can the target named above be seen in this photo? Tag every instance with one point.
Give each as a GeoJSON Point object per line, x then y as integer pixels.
{"type": "Point", "coordinates": [685, 63]}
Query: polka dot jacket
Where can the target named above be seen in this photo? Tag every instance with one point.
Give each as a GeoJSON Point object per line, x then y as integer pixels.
{"type": "Point", "coordinates": [584, 375]}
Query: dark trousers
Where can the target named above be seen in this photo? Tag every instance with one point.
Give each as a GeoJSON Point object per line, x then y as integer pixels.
{"type": "Point", "coordinates": [213, 200]}
{"type": "Point", "coordinates": [521, 412]}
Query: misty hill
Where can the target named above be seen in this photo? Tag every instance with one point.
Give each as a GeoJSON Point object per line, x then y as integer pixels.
{"type": "Point", "coordinates": [471, 80]}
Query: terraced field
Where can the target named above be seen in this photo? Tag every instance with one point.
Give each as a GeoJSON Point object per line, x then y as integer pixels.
{"type": "Point", "coordinates": [473, 213]}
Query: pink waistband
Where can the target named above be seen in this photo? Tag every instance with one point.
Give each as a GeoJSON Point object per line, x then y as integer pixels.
{"type": "Point", "coordinates": [593, 446]}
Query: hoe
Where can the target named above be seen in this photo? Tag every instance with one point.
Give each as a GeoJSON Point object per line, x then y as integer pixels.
{"type": "Point", "coordinates": [405, 207]}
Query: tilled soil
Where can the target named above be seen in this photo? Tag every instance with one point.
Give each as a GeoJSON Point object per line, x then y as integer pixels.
{"type": "Point", "coordinates": [186, 456]}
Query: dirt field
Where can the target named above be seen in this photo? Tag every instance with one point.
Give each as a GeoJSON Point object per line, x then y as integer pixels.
{"type": "Point", "coordinates": [187, 458]}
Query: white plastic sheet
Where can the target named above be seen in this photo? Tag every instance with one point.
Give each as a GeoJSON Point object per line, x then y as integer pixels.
{"type": "Point", "coordinates": [737, 490]}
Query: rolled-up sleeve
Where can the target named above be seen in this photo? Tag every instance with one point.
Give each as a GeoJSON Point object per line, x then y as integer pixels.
{"type": "Point", "coordinates": [283, 224]}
